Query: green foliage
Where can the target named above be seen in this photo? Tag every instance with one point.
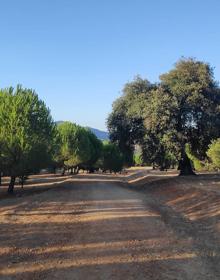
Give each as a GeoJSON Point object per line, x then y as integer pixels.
{"type": "Point", "coordinates": [75, 145]}
{"type": "Point", "coordinates": [120, 130]}
{"type": "Point", "coordinates": [125, 123]}
{"type": "Point", "coordinates": [197, 164]}
{"type": "Point", "coordinates": [78, 146]}
{"type": "Point", "coordinates": [112, 158]}
{"type": "Point", "coordinates": [194, 98]}
{"type": "Point", "coordinates": [57, 160]}
{"type": "Point", "coordinates": [95, 149]}
{"type": "Point", "coordinates": [26, 130]}
{"type": "Point", "coordinates": [184, 108]}
{"type": "Point", "coordinates": [214, 153]}
{"type": "Point", "coordinates": [138, 159]}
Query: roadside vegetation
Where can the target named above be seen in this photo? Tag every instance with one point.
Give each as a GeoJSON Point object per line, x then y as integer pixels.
{"type": "Point", "coordinates": [30, 141]}
{"type": "Point", "coordinates": [171, 124]}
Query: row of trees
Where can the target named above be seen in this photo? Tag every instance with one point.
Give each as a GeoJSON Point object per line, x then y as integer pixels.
{"type": "Point", "coordinates": [170, 121]}
{"type": "Point", "coordinates": [76, 148]}
{"type": "Point", "coordinates": [30, 140]}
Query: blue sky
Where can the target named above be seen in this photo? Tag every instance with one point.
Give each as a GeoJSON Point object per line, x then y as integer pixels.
{"type": "Point", "coordinates": [78, 55]}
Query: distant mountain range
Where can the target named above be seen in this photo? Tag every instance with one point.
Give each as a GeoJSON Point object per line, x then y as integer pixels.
{"type": "Point", "coordinates": [102, 135]}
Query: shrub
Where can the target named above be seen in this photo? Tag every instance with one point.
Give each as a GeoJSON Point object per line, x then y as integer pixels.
{"type": "Point", "coordinates": [112, 158]}
{"type": "Point", "coordinates": [214, 153]}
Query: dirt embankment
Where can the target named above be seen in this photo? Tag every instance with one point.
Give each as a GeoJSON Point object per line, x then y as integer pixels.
{"type": "Point", "coordinates": [98, 228]}
{"type": "Point", "coordinates": [191, 207]}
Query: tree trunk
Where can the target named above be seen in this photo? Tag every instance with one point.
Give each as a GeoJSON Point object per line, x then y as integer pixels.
{"type": "Point", "coordinates": [77, 170]}
{"type": "Point", "coordinates": [63, 172]}
{"type": "Point", "coordinates": [22, 181]}
{"type": "Point", "coordinates": [11, 185]}
{"type": "Point", "coordinates": [185, 166]}
{"type": "Point", "coordinates": [0, 178]}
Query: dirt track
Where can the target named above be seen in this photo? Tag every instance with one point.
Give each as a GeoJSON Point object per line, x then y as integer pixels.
{"type": "Point", "coordinates": [104, 230]}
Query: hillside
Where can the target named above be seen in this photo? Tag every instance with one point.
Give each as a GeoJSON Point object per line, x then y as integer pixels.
{"type": "Point", "coordinates": [102, 135]}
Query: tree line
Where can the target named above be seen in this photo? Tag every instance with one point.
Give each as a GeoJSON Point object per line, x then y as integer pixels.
{"type": "Point", "coordinates": [172, 123]}
{"type": "Point", "coordinates": [30, 140]}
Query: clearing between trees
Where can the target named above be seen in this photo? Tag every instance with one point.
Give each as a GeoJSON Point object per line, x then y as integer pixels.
{"type": "Point", "coordinates": [142, 225]}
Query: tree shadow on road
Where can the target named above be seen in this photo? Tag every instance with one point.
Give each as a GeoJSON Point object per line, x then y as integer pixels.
{"type": "Point", "coordinates": [112, 232]}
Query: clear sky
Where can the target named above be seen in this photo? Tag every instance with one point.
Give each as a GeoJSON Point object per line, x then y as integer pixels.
{"type": "Point", "coordinates": [78, 54]}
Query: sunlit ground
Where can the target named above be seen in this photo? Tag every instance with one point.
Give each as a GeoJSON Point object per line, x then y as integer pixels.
{"type": "Point", "coordinates": [104, 231]}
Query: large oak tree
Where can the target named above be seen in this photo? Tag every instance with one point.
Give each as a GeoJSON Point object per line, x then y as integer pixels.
{"type": "Point", "coordinates": [183, 109]}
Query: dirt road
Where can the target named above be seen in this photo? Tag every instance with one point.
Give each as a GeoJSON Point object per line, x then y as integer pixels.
{"type": "Point", "coordinates": [102, 230]}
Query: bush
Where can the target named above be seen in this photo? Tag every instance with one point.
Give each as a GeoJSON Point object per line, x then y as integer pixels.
{"type": "Point", "coordinates": [138, 159]}
{"type": "Point", "coordinates": [214, 153]}
{"type": "Point", "coordinates": [197, 164]}
{"type": "Point", "coordinates": [112, 158]}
